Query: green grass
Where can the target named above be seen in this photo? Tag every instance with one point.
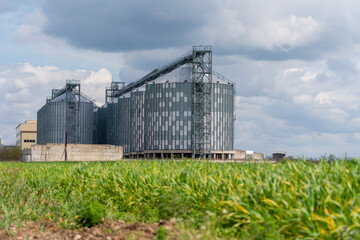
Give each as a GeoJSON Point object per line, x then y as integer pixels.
{"type": "Point", "coordinates": [247, 201]}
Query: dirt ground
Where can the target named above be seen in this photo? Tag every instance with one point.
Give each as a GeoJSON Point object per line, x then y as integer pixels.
{"type": "Point", "coordinates": [115, 230]}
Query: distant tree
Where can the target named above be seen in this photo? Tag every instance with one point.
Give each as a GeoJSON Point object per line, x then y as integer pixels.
{"type": "Point", "coordinates": [331, 158]}
{"type": "Point", "coordinates": [10, 153]}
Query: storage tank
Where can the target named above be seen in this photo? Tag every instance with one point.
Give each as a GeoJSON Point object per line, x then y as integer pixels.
{"type": "Point", "coordinates": [124, 123]}
{"type": "Point", "coordinates": [159, 116]}
{"type": "Point", "coordinates": [59, 115]}
{"type": "Point", "coordinates": [100, 126]}
{"type": "Point", "coordinates": [222, 116]}
{"type": "Point", "coordinates": [168, 116]}
{"type": "Point", "coordinates": [137, 127]}
{"type": "Point", "coordinates": [111, 123]}
{"type": "Point", "coordinates": [119, 123]}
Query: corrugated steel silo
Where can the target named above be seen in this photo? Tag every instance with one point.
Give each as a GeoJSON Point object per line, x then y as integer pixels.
{"type": "Point", "coordinates": [111, 123]}
{"type": "Point", "coordinates": [222, 113]}
{"type": "Point", "coordinates": [63, 114]}
{"type": "Point", "coordinates": [100, 126]}
{"type": "Point", "coordinates": [168, 116]}
{"type": "Point", "coordinates": [124, 123]}
{"type": "Point", "coordinates": [137, 112]}
{"type": "Point", "coordinates": [159, 117]}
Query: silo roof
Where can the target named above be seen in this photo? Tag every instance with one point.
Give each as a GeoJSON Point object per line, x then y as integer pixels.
{"type": "Point", "coordinates": [62, 98]}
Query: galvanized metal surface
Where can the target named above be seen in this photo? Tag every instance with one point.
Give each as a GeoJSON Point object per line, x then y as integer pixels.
{"type": "Point", "coordinates": [123, 128]}
{"type": "Point", "coordinates": [201, 59]}
{"type": "Point", "coordinates": [67, 112]}
{"type": "Point", "coordinates": [137, 127]}
{"type": "Point", "coordinates": [86, 125]}
{"type": "Point", "coordinates": [160, 118]}
{"type": "Point", "coordinates": [100, 126]}
{"type": "Point", "coordinates": [168, 116]}
{"type": "Point", "coordinates": [222, 114]}
{"type": "Point", "coordinates": [184, 110]}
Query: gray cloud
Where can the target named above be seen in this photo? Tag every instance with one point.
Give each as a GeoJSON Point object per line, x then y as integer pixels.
{"type": "Point", "coordinates": [256, 30]}
{"type": "Point", "coordinates": [125, 25]}
{"type": "Point", "coordinates": [5, 6]}
{"type": "Point", "coordinates": [10, 6]}
{"type": "Point", "coordinates": [343, 66]}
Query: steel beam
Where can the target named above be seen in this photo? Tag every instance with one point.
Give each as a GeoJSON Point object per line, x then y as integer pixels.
{"type": "Point", "coordinates": [157, 72]}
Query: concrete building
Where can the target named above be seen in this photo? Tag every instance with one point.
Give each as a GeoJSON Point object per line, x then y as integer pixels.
{"type": "Point", "coordinates": [26, 134]}
{"type": "Point", "coordinates": [279, 156]}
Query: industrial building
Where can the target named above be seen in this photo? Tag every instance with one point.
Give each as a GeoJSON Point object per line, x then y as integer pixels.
{"type": "Point", "coordinates": [182, 108]}
{"type": "Point", "coordinates": [26, 134]}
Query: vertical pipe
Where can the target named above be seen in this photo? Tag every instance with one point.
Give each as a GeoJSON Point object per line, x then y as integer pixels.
{"type": "Point", "coordinates": [65, 145]}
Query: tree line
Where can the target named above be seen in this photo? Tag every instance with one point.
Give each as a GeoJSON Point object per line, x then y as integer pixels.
{"type": "Point", "coordinates": [10, 153]}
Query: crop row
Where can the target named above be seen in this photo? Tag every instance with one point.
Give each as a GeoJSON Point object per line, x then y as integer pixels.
{"type": "Point", "coordinates": [287, 200]}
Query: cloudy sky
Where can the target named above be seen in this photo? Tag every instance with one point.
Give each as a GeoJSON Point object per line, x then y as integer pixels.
{"type": "Point", "coordinates": [296, 63]}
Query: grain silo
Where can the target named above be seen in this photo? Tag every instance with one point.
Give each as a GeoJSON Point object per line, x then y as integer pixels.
{"type": "Point", "coordinates": [182, 108]}
{"type": "Point", "coordinates": [100, 126]}
{"type": "Point", "coordinates": [66, 113]}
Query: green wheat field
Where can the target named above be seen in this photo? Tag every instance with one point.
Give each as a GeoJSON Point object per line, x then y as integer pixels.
{"type": "Point", "coordinates": [290, 200]}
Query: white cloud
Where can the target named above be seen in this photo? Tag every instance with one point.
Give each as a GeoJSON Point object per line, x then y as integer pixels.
{"type": "Point", "coordinates": [2, 81]}
{"type": "Point", "coordinates": [13, 97]}
{"type": "Point", "coordinates": [24, 88]}
{"type": "Point", "coordinates": [94, 85]}
{"type": "Point", "coordinates": [232, 26]}
{"type": "Point", "coordinates": [323, 98]}
{"type": "Point", "coordinates": [308, 110]}
{"type": "Point", "coordinates": [285, 34]}
{"type": "Point", "coordinates": [30, 31]}
{"type": "Point", "coordinates": [303, 99]}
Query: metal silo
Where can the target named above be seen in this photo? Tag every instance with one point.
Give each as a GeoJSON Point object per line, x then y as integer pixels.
{"type": "Point", "coordinates": [41, 125]}
{"type": "Point", "coordinates": [185, 109]}
{"type": "Point", "coordinates": [168, 116]}
{"type": "Point", "coordinates": [222, 114]}
{"type": "Point", "coordinates": [124, 123]}
{"type": "Point", "coordinates": [66, 111]}
{"type": "Point", "coordinates": [86, 122]}
{"type": "Point", "coordinates": [137, 113]}
{"type": "Point", "coordinates": [56, 121]}
{"type": "Point", "coordinates": [100, 126]}
{"type": "Point", "coordinates": [110, 123]}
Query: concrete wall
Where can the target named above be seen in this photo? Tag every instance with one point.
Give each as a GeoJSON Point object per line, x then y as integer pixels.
{"type": "Point", "coordinates": [258, 156]}
{"type": "Point", "coordinates": [75, 152]}
{"type": "Point", "coordinates": [241, 155]}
